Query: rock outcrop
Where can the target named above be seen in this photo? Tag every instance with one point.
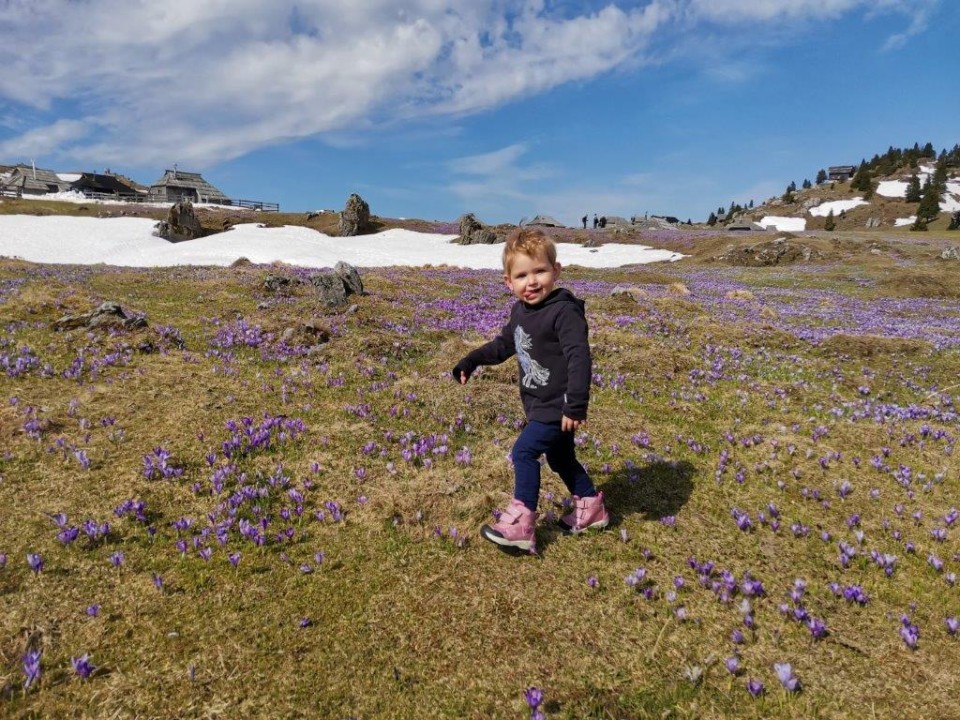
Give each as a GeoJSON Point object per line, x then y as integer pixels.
{"type": "Point", "coordinates": [772, 252]}
{"type": "Point", "coordinates": [355, 218]}
{"type": "Point", "coordinates": [181, 223]}
{"type": "Point", "coordinates": [474, 232]}
{"type": "Point", "coordinates": [333, 287]}
{"type": "Point", "coordinates": [108, 314]}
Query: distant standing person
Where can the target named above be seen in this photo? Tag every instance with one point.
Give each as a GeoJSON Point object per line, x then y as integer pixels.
{"type": "Point", "coordinates": [603, 221]}
{"type": "Point", "coordinates": [547, 331]}
{"type": "Point", "coordinates": [584, 221]}
{"type": "Point", "coordinates": [595, 221]}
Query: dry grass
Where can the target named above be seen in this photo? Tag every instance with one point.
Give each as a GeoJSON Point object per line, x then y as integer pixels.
{"type": "Point", "coordinates": [406, 617]}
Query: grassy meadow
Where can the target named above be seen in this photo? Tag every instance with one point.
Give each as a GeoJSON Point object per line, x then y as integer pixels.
{"type": "Point", "coordinates": [254, 508]}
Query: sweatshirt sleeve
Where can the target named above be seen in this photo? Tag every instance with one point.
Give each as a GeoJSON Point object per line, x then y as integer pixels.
{"type": "Point", "coordinates": [571, 326]}
{"type": "Point", "coordinates": [492, 353]}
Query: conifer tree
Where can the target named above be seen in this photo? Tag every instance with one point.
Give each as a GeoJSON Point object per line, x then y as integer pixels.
{"type": "Point", "coordinates": [712, 220]}
{"type": "Point", "coordinates": [858, 176]}
{"type": "Point", "coordinates": [929, 204]}
{"type": "Point", "coordinates": [913, 193]}
{"type": "Point", "coordinates": [821, 176]}
{"type": "Point", "coordinates": [831, 223]}
{"type": "Point", "coordinates": [807, 184]}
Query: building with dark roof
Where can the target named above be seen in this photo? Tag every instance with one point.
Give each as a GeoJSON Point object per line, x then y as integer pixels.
{"type": "Point", "coordinates": [176, 185]}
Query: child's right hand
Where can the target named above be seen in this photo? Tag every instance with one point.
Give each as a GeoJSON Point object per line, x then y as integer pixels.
{"type": "Point", "coordinates": [460, 374]}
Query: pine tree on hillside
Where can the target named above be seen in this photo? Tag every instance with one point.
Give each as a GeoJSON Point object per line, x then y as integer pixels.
{"type": "Point", "coordinates": [859, 175]}
{"type": "Point", "coordinates": [929, 204]}
{"type": "Point", "coordinates": [821, 176]}
{"type": "Point", "coordinates": [831, 223]}
{"type": "Point", "coordinates": [712, 220]}
{"type": "Point", "coordinates": [928, 151]}
{"type": "Point", "coordinates": [913, 193]}
{"type": "Point", "coordinates": [806, 184]}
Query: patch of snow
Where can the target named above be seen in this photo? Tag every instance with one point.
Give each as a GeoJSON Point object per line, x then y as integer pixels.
{"type": "Point", "coordinates": [838, 206]}
{"type": "Point", "coordinates": [892, 188]}
{"type": "Point", "coordinates": [69, 177]}
{"type": "Point", "coordinates": [786, 224]}
{"type": "Point", "coordinates": [75, 196]}
{"type": "Point", "coordinates": [901, 222]}
{"type": "Point", "coordinates": [130, 242]}
{"type": "Point", "coordinates": [950, 201]}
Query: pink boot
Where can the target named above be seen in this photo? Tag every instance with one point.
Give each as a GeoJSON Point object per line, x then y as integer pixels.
{"type": "Point", "coordinates": [588, 514]}
{"type": "Point", "coordinates": [515, 528]}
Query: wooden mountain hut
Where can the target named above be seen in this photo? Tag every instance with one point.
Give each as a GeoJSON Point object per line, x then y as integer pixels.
{"type": "Point", "coordinates": [30, 180]}
{"type": "Point", "coordinates": [176, 185]}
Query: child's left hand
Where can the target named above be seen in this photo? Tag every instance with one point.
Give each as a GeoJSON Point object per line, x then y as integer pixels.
{"type": "Point", "coordinates": [569, 424]}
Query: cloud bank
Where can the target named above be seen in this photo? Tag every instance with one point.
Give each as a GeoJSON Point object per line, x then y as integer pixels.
{"type": "Point", "coordinates": [137, 82]}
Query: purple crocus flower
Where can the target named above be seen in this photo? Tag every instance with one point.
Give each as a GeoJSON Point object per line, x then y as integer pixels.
{"type": "Point", "coordinates": [31, 667]}
{"type": "Point", "coordinates": [953, 625]}
{"type": "Point", "coordinates": [754, 687]}
{"type": "Point", "coordinates": [786, 677]}
{"type": "Point", "coordinates": [93, 610]}
{"type": "Point", "coordinates": [909, 632]}
{"type": "Point", "coordinates": [817, 628]}
{"type": "Point", "coordinates": [592, 581]}
{"type": "Point", "coordinates": [35, 562]}
{"type": "Point", "coordinates": [534, 697]}
{"type": "Point", "coordinates": [733, 664]}
{"type": "Point", "coordinates": [82, 667]}
{"type": "Point", "coordinates": [3, 560]}
{"type": "Point", "coordinates": [234, 558]}
{"type": "Point", "coordinates": [117, 558]}
{"type": "Point", "coordinates": [157, 581]}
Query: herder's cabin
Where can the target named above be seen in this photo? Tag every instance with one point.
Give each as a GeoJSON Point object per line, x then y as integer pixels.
{"type": "Point", "coordinates": [29, 180]}
{"type": "Point", "coordinates": [176, 185]}
{"type": "Point", "coordinates": [841, 173]}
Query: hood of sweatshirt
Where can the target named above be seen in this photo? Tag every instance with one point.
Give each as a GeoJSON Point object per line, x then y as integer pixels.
{"type": "Point", "coordinates": [559, 295]}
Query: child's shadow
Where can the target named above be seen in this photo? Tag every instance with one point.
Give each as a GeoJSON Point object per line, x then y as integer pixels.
{"type": "Point", "coordinates": [657, 490]}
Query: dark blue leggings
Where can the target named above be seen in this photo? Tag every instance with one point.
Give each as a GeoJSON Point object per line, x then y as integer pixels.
{"type": "Point", "coordinates": [537, 439]}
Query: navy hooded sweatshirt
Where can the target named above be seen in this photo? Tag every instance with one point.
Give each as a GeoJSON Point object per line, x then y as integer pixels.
{"type": "Point", "coordinates": [553, 352]}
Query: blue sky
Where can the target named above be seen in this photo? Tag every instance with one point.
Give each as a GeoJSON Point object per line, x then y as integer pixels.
{"type": "Point", "coordinates": [504, 108]}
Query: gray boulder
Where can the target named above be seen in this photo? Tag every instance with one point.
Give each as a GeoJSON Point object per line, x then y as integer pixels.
{"type": "Point", "coordinates": [108, 314]}
{"type": "Point", "coordinates": [473, 232]}
{"type": "Point", "coordinates": [950, 253]}
{"type": "Point", "coordinates": [355, 218]}
{"type": "Point", "coordinates": [274, 283]}
{"type": "Point", "coordinates": [181, 223]}
{"type": "Point", "coordinates": [352, 283]}
{"type": "Point", "coordinates": [330, 290]}
{"type": "Point", "coordinates": [874, 222]}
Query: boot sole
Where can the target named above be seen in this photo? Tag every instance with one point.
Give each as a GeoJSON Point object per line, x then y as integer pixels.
{"type": "Point", "coordinates": [490, 534]}
{"type": "Point", "coordinates": [598, 525]}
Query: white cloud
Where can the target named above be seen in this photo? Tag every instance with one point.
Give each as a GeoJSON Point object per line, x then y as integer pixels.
{"type": "Point", "coordinates": [204, 82]}
{"type": "Point", "coordinates": [43, 140]}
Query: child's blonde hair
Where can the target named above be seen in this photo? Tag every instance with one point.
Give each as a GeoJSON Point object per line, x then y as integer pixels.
{"type": "Point", "coordinates": [532, 243]}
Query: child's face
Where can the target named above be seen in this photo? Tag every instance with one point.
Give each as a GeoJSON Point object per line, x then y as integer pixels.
{"type": "Point", "coordinates": [531, 279]}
